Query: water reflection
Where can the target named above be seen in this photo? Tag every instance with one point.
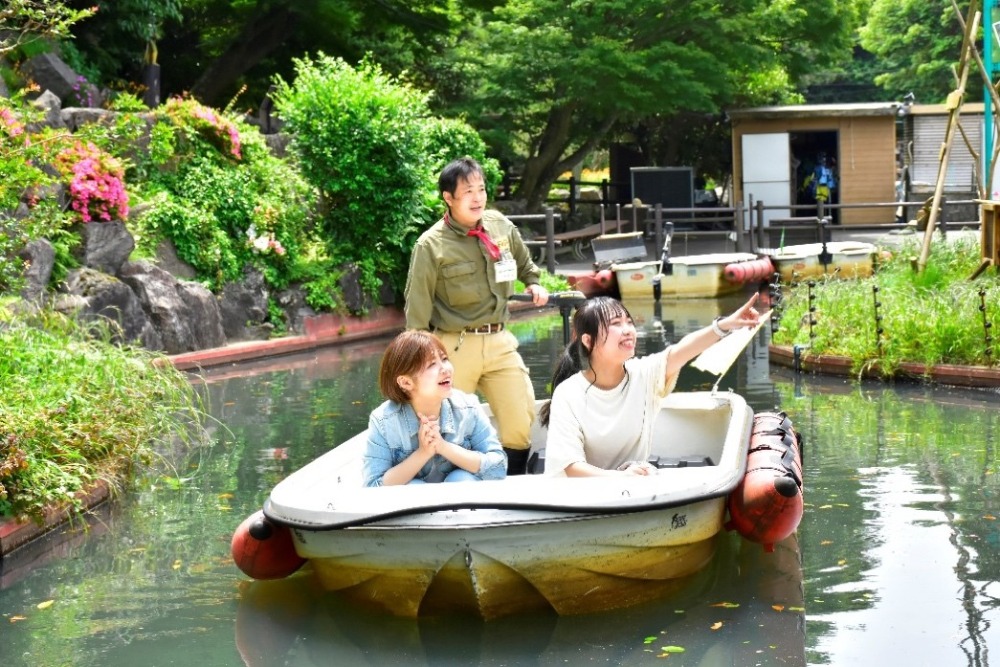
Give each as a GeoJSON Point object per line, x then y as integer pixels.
{"type": "Point", "coordinates": [896, 560]}
{"type": "Point", "coordinates": [745, 608]}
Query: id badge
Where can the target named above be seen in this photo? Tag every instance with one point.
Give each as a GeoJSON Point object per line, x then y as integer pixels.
{"type": "Point", "coordinates": [506, 270]}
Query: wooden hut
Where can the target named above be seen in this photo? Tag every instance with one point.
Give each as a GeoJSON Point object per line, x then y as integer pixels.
{"type": "Point", "coordinates": [776, 150]}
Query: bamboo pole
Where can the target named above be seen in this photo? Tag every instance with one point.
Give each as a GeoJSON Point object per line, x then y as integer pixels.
{"type": "Point", "coordinates": [954, 104]}
{"type": "Point", "coordinates": [987, 180]}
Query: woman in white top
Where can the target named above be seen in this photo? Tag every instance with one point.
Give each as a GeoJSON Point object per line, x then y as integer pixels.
{"type": "Point", "coordinates": [600, 417]}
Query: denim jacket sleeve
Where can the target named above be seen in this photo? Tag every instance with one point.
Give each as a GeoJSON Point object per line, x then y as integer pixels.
{"type": "Point", "coordinates": [474, 431]}
{"type": "Point", "coordinates": [390, 441]}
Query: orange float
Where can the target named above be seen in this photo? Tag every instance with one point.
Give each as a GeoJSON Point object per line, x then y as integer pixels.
{"type": "Point", "coordinates": [264, 550]}
{"type": "Point", "coordinates": [754, 270]}
{"type": "Point", "coordinates": [767, 505]}
{"type": "Point", "coordinates": [594, 283]}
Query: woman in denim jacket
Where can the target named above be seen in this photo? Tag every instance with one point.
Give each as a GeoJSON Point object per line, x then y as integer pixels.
{"type": "Point", "coordinates": [427, 431]}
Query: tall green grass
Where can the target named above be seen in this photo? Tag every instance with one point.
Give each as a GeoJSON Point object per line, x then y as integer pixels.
{"type": "Point", "coordinates": [76, 408]}
{"type": "Point", "coordinates": [932, 317]}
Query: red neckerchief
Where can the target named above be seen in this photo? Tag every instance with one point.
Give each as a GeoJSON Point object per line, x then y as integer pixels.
{"type": "Point", "coordinates": [492, 248]}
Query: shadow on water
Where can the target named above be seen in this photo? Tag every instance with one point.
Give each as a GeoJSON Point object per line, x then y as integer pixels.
{"type": "Point", "coordinates": [744, 608]}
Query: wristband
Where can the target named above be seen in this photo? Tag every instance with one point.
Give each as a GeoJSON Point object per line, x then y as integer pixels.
{"type": "Point", "coordinates": [717, 330]}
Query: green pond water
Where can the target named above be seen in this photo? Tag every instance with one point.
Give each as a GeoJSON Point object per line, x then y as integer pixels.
{"type": "Point", "coordinates": [896, 561]}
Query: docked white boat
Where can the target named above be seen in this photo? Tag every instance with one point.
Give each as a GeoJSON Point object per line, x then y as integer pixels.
{"type": "Point", "coordinates": [838, 259]}
{"type": "Point", "coordinates": [575, 545]}
{"type": "Point", "coordinates": [690, 276]}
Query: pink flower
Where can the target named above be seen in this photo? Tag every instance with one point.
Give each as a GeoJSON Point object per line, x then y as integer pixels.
{"type": "Point", "coordinates": [97, 188]}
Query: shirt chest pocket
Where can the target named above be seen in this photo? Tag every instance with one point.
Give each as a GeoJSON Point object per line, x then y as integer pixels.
{"type": "Point", "coordinates": [463, 285]}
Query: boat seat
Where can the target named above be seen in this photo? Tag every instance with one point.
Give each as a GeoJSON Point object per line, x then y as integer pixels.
{"type": "Point", "coordinates": [536, 462]}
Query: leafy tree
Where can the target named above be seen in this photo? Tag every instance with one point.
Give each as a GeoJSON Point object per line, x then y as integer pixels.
{"type": "Point", "coordinates": [121, 37]}
{"type": "Point", "coordinates": [918, 42]}
{"type": "Point", "coordinates": [547, 83]}
{"type": "Point", "coordinates": [228, 44]}
{"type": "Point", "coordinates": [24, 21]}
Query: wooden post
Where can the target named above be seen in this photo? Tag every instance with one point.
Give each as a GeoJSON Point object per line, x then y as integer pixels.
{"type": "Point", "coordinates": [550, 241]}
{"type": "Point", "coordinates": [954, 104]}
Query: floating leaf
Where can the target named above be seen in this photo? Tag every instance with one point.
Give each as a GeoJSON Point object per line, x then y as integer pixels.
{"type": "Point", "coordinates": [225, 496]}
{"type": "Point", "coordinates": [716, 625]}
{"type": "Point", "coordinates": [15, 619]}
{"type": "Point", "coordinates": [649, 640]}
{"type": "Point", "coordinates": [842, 562]}
{"type": "Point", "coordinates": [989, 517]}
{"type": "Point", "coordinates": [826, 543]}
{"type": "Point", "coordinates": [726, 605]}
{"type": "Point", "coordinates": [825, 507]}
{"type": "Point", "coordinates": [46, 604]}
{"type": "Point", "coordinates": [796, 609]}
{"type": "Point", "coordinates": [778, 607]}
{"type": "Point", "coordinates": [177, 564]}
{"type": "Point", "coordinates": [672, 649]}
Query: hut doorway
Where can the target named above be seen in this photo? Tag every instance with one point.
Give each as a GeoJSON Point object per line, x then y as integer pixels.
{"type": "Point", "coordinates": [815, 158]}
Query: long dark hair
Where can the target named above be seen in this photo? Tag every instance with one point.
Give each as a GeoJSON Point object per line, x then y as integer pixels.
{"type": "Point", "coordinates": [592, 318]}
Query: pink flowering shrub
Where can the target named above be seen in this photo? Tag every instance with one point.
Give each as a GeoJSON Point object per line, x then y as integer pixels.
{"type": "Point", "coordinates": [12, 127]}
{"type": "Point", "coordinates": [97, 185]}
{"type": "Point", "coordinates": [219, 130]}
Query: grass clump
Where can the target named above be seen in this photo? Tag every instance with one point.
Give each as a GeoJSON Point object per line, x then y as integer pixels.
{"type": "Point", "coordinates": [937, 316]}
{"type": "Point", "coordinates": [77, 410]}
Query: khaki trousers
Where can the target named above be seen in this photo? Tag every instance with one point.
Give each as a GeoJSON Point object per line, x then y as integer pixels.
{"type": "Point", "coordinates": [490, 364]}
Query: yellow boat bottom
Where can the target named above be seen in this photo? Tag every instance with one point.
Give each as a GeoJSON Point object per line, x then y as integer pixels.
{"type": "Point", "coordinates": [471, 582]}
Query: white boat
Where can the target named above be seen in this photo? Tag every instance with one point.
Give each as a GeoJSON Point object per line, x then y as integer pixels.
{"type": "Point", "coordinates": [838, 259]}
{"type": "Point", "coordinates": [690, 276]}
{"type": "Point", "coordinates": [573, 545]}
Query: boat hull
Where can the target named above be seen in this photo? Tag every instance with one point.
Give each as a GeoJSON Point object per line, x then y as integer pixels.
{"type": "Point", "coordinates": [571, 565]}
{"type": "Point", "coordinates": [527, 542]}
{"type": "Point", "coordinates": [689, 276]}
{"type": "Point", "coordinates": [847, 259]}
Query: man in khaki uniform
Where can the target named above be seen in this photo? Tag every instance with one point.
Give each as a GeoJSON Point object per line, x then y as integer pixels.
{"type": "Point", "coordinates": [462, 273]}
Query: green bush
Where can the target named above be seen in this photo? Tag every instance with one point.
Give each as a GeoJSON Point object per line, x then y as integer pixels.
{"type": "Point", "coordinates": [372, 148]}
{"type": "Point", "coordinates": [87, 410]}
{"type": "Point", "coordinates": [26, 182]}
{"type": "Point", "coordinates": [213, 188]}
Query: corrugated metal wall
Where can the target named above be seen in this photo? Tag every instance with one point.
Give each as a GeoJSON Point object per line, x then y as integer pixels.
{"type": "Point", "coordinates": [927, 133]}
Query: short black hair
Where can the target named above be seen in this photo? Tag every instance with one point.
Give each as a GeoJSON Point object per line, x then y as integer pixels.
{"type": "Point", "coordinates": [457, 170]}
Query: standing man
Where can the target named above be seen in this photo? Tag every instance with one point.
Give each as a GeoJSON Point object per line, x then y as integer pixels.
{"type": "Point", "coordinates": [462, 272]}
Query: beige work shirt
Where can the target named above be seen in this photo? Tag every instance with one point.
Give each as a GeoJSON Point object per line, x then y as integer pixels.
{"type": "Point", "coordinates": [451, 284]}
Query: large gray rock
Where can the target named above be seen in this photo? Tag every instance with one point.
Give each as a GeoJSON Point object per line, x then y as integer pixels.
{"type": "Point", "coordinates": [167, 259]}
{"type": "Point", "coordinates": [293, 303]}
{"type": "Point", "coordinates": [355, 298]}
{"type": "Point", "coordinates": [50, 73]}
{"type": "Point", "coordinates": [203, 315]}
{"type": "Point", "coordinates": [184, 313]}
{"type": "Point", "coordinates": [76, 117]}
{"type": "Point", "coordinates": [106, 245]}
{"type": "Point", "coordinates": [52, 106]}
{"type": "Point", "coordinates": [244, 307]}
{"type": "Point", "coordinates": [39, 257]}
{"type": "Point", "coordinates": [93, 295]}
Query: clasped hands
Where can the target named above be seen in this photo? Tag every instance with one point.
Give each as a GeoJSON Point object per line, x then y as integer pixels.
{"type": "Point", "coordinates": [429, 435]}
